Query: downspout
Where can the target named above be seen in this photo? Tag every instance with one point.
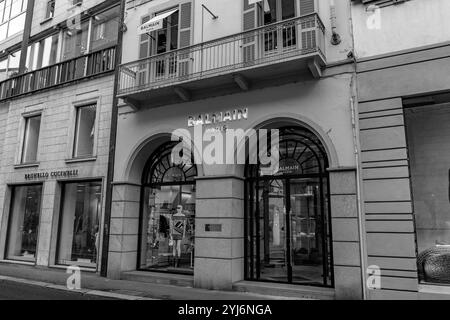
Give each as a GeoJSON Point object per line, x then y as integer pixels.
{"type": "Point", "coordinates": [357, 149]}
{"type": "Point", "coordinates": [26, 36]}
{"type": "Point", "coordinates": [112, 145]}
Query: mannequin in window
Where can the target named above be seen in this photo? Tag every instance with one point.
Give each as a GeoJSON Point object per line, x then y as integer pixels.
{"type": "Point", "coordinates": [178, 233]}
{"type": "Point", "coordinates": [276, 227]}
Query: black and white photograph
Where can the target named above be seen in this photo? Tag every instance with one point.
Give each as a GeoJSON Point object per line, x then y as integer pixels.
{"type": "Point", "coordinates": [225, 158]}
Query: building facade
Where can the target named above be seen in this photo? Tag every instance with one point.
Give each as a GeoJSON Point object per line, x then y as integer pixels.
{"type": "Point", "coordinates": [216, 67]}
{"type": "Point", "coordinates": [57, 76]}
{"type": "Point", "coordinates": [402, 53]}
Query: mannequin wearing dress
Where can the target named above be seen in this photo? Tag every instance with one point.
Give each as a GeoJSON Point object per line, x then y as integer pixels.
{"type": "Point", "coordinates": [276, 227]}
{"type": "Point", "coordinates": [178, 233]}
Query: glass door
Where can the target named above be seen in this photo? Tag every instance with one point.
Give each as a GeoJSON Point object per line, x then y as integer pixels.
{"type": "Point", "coordinates": [166, 40]}
{"type": "Point", "coordinates": [308, 250]}
{"type": "Point", "coordinates": [279, 38]}
{"type": "Point", "coordinates": [287, 230]}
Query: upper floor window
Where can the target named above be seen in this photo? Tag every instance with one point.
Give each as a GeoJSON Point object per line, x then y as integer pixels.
{"type": "Point", "coordinates": [50, 10]}
{"type": "Point", "coordinates": [9, 66]}
{"type": "Point", "coordinates": [12, 17]}
{"type": "Point", "coordinates": [31, 139]}
{"type": "Point", "coordinates": [42, 53]}
{"type": "Point", "coordinates": [85, 131]}
{"type": "Point", "coordinates": [105, 27]}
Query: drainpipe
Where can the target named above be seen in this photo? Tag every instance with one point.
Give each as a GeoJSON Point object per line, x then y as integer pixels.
{"type": "Point", "coordinates": [26, 36]}
{"type": "Point", "coordinates": [112, 145]}
{"type": "Point", "coordinates": [355, 129]}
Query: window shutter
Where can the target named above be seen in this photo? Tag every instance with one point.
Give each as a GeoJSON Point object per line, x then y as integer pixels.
{"type": "Point", "coordinates": [185, 38]}
{"type": "Point", "coordinates": [307, 7]}
{"type": "Point", "coordinates": [250, 21]}
{"type": "Point", "coordinates": [144, 52]}
{"type": "Point", "coordinates": [308, 26]}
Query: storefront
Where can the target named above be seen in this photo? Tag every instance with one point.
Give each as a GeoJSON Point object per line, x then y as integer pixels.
{"type": "Point", "coordinates": [230, 222]}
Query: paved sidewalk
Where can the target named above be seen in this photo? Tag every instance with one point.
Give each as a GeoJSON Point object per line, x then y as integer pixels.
{"type": "Point", "coordinates": [93, 284]}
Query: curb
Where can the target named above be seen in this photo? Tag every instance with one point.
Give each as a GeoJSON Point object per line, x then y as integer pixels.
{"type": "Point", "coordinates": [89, 292]}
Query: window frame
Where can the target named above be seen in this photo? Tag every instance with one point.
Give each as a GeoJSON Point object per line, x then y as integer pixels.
{"type": "Point", "coordinates": [24, 145]}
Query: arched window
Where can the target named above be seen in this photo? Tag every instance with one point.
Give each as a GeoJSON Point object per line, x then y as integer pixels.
{"type": "Point", "coordinates": [287, 214]}
{"type": "Point", "coordinates": [168, 213]}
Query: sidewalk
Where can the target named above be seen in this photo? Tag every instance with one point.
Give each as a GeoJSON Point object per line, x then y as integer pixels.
{"type": "Point", "coordinates": [93, 284]}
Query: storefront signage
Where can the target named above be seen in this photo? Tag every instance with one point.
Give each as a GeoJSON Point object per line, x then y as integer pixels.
{"type": "Point", "coordinates": [51, 175]}
{"type": "Point", "coordinates": [156, 23]}
{"type": "Point", "coordinates": [213, 228]}
{"type": "Point", "coordinates": [218, 117]}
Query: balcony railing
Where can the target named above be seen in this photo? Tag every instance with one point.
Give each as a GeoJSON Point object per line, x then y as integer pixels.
{"type": "Point", "coordinates": [266, 45]}
{"type": "Point", "coordinates": [88, 65]}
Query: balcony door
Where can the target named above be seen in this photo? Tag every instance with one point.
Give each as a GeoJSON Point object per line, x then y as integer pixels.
{"type": "Point", "coordinates": [163, 41]}
{"type": "Point", "coordinates": [280, 37]}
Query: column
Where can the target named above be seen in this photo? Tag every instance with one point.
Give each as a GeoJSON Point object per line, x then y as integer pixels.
{"type": "Point", "coordinates": [219, 243]}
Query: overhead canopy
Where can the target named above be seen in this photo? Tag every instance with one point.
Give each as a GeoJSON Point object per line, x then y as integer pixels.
{"type": "Point", "coordinates": [155, 23]}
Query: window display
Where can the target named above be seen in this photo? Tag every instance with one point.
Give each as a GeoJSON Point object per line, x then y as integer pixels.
{"type": "Point", "coordinates": [79, 238]}
{"type": "Point", "coordinates": [24, 223]}
{"type": "Point", "coordinates": [168, 230]}
{"type": "Point", "coordinates": [428, 135]}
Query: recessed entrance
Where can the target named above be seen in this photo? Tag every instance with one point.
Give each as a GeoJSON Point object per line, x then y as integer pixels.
{"type": "Point", "coordinates": [288, 214]}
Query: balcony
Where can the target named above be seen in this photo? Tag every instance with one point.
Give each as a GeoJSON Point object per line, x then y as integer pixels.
{"type": "Point", "coordinates": [287, 50]}
{"type": "Point", "coordinates": [65, 72]}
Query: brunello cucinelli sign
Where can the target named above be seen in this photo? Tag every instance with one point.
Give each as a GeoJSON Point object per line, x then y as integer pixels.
{"type": "Point", "coordinates": [51, 175]}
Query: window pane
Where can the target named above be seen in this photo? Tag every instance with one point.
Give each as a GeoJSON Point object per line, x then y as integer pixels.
{"type": "Point", "coordinates": [75, 42]}
{"type": "Point", "coordinates": [23, 223]}
{"type": "Point", "coordinates": [85, 131]}
{"type": "Point", "coordinates": [104, 29]}
{"type": "Point", "coordinates": [16, 25]}
{"type": "Point", "coordinates": [31, 139]}
{"type": "Point", "coordinates": [428, 136]}
{"type": "Point", "coordinates": [3, 69]}
{"type": "Point", "coordinates": [16, 7]}
{"type": "Point", "coordinates": [79, 239]}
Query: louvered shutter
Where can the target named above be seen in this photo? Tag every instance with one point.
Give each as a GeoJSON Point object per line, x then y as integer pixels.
{"type": "Point", "coordinates": [249, 42]}
{"type": "Point", "coordinates": [144, 52]}
{"type": "Point", "coordinates": [185, 39]}
{"type": "Point", "coordinates": [308, 26]}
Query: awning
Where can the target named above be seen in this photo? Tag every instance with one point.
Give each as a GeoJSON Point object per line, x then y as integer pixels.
{"type": "Point", "coordinates": [155, 23]}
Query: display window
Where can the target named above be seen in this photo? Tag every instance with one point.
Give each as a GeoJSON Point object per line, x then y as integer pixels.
{"type": "Point", "coordinates": [428, 137]}
{"type": "Point", "coordinates": [168, 215]}
{"type": "Point", "coordinates": [23, 223]}
{"type": "Point", "coordinates": [79, 224]}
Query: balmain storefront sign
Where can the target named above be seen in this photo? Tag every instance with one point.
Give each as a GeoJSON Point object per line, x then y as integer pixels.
{"type": "Point", "coordinates": [51, 175]}
{"type": "Point", "coordinates": [218, 118]}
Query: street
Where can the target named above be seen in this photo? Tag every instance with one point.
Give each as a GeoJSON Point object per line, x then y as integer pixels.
{"type": "Point", "coordinates": [19, 291]}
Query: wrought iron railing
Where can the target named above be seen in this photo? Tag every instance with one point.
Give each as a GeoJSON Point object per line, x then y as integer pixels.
{"type": "Point", "coordinates": [88, 65]}
{"type": "Point", "coordinates": [261, 46]}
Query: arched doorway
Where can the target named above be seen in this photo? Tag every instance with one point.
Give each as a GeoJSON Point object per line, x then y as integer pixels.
{"type": "Point", "coordinates": [167, 227]}
{"type": "Point", "coordinates": [287, 218]}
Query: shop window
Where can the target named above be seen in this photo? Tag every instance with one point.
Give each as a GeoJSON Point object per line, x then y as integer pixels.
{"type": "Point", "coordinates": [168, 222]}
{"type": "Point", "coordinates": [428, 134]}
{"type": "Point", "coordinates": [31, 139]}
{"type": "Point", "coordinates": [23, 223]}
{"type": "Point", "coordinates": [85, 131]}
{"type": "Point", "coordinates": [79, 225]}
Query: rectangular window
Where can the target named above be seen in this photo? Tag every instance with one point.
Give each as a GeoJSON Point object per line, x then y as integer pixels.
{"type": "Point", "coordinates": [31, 139]}
{"type": "Point", "coordinates": [76, 42]}
{"type": "Point", "coordinates": [104, 29]}
{"type": "Point", "coordinates": [79, 241]}
{"type": "Point", "coordinates": [23, 224]}
{"type": "Point", "coordinates": [12, 17]}
{"type": "Point", "coordinates": [428, 135]}
{"type": "Point", "coordinates": [85, 131]}
{"type": "Point", "coordinates": [42, 53]}
{"type": "Point", "coordinates": [50, 10]}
